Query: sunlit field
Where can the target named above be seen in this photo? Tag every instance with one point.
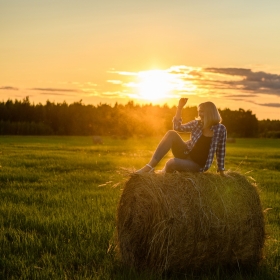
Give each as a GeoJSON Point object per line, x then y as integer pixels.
{"type": "Point", "coordinates": [59, 197]}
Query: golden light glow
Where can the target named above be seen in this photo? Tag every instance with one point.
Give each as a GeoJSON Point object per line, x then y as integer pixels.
{"type": "Point", "coordinates": [157, 85]}
{"type": "Point", "coordinates": [154, 84]}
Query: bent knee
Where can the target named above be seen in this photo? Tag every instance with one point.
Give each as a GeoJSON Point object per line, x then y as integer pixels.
{"type": "Point", "coordinates": [171, 133]}
{"type": "Point", "coordinates": [170, 165]}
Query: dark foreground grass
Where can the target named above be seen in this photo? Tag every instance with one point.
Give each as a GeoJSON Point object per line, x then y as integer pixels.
{"type": "Point", "coordinates": [59, 197]}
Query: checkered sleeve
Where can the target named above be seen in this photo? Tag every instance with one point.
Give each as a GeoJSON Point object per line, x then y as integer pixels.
{"type": "Point", "coordinates": [221, 148]}
{"type": "Point", "coordinates": [187, 127]}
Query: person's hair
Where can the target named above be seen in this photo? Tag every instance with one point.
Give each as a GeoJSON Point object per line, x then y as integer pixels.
{"type": "Point", "coordinates": [211, 114]}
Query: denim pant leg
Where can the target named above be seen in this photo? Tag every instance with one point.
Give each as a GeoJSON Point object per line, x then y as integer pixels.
{"type": "Point", "coordinates": [171, 140]}
{"type": "Point", "coordinates": [178, 164]}
{"type": "Point", "coordinates": [181, 162]}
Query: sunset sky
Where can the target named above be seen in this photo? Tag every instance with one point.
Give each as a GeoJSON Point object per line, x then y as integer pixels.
{"type": "Point", "coordinates": [142, 50]}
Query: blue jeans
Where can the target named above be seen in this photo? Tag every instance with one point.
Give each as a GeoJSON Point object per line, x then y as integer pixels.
{"type": "Point", "coordinates": [181, 162]}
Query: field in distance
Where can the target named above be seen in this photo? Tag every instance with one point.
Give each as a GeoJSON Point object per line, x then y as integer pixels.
{"type": "Point", "coordinates": [59, 197]}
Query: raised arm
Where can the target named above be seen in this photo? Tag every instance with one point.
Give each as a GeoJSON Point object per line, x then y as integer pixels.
{"type": "Point", "coordinates": [177, 120]}
{"type": "Point", "coordinates": [181, 104]}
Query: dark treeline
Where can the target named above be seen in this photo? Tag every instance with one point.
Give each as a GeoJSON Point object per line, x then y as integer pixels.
{"type": "Point", "coordinates": [23, 118]}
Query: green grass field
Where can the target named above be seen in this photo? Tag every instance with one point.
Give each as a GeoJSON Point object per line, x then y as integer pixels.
{"type": "Point", "coordinates": [59, 197]}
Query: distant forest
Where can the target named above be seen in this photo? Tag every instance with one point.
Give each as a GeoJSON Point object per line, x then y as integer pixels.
{"type": "Point", "coordinates": [20, 117]}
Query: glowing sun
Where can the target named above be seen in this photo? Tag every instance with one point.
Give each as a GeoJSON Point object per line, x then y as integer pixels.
{"type": "Point", "coordinates": [154, 84]}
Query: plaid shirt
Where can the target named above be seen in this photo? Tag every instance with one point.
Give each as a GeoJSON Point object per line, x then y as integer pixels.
{"type": "Point", "coordinates": [218, 144]}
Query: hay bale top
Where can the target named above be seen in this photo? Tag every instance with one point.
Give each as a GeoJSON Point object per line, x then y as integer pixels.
{"type": "Point", "coordinates": [230, 191]}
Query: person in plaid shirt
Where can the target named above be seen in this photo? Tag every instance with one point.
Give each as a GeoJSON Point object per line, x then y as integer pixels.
{"type": "Point", "coordinates": [208, 138]}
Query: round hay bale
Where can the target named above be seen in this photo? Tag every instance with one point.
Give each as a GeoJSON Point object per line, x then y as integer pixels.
{"type": "Point", "coordinates": [189, 221]}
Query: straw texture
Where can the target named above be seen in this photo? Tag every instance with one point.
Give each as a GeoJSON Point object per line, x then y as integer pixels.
{"type": "Point", "coordinates": [189, 221]}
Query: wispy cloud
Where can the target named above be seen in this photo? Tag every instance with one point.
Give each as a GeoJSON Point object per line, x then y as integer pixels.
{"type": "Point", "coordinates": [271, 104]}
{"type": "Point", "coordinates": [255, 82]}
{"type": "Point", "coordinates": [240, 95]}
{"type": "Point", "coordinates": [115, 82]}
{"type": "Point", "coordinates": [55, 89]}
{"type": "Point", "coordinates": [55, 93]}
{"type": "Point", "coordinates": [124, 73]}
{"type": "Point", "coordinates": [117, 94]}
{"type": "Point", "coordinates": [274, 105]}
{"type": "Point", "coordinates": [8, 88]}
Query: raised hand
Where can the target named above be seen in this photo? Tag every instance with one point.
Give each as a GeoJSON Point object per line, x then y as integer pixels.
{"type": "Point", "coordinates": [182, 102]}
